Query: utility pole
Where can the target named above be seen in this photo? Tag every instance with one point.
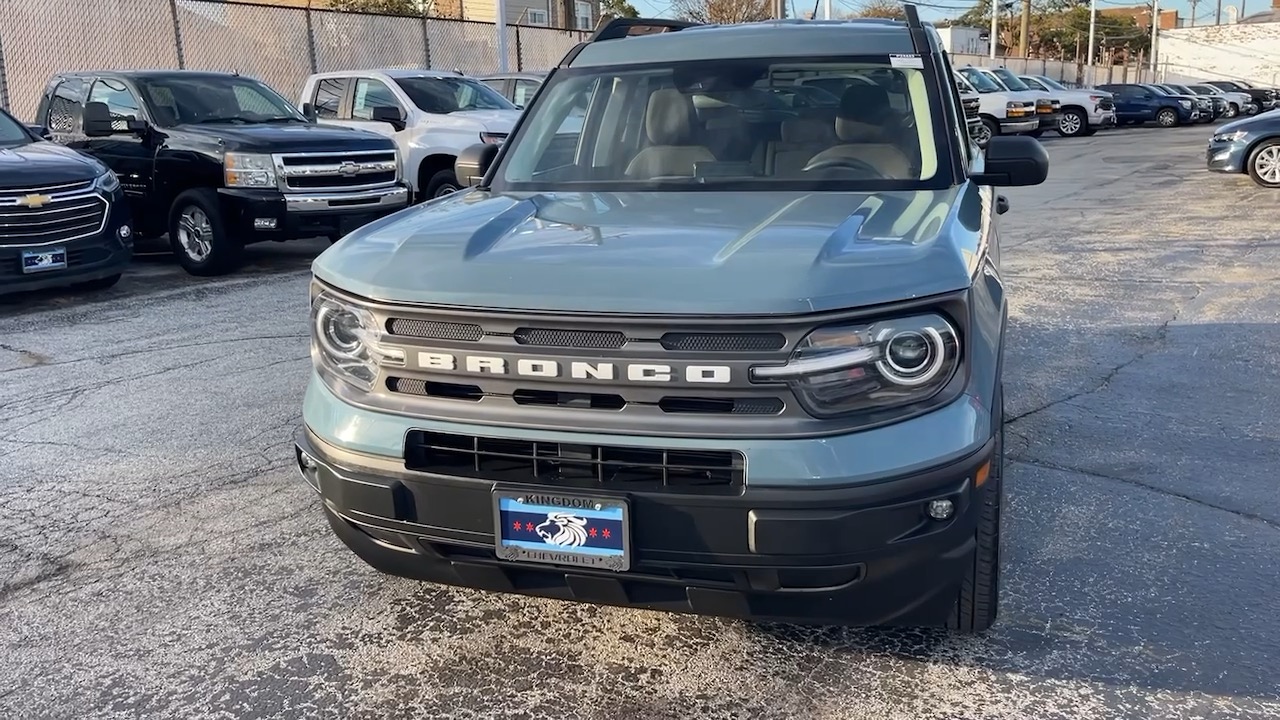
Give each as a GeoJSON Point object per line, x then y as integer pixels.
{"type": "Point", "coordinates": [501, 24]}
{"type": "Point", "coordinates": [1155, 35]}
{"type": "Point", "coordinates": [995, 26]}
{"type": "Point", "coordinates": [1026, 28]}
{"type": "Point", "coordinates": [826, 9]}
{"type": "Point", "coordinates": [1193, 11]}
{"type": "Point", "coordinates": [1219, 20]}
{"type": "Point", "coordinates": [1093, 28]}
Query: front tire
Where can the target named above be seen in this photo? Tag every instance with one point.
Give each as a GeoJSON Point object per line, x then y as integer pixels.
{"type": "Point", "coordinates": [1167, 117]}
{"type": "Point", "coordinates": [1073, 123]}
{"type": "Point", "coordinates": [198, 236]}
{"type": "Point", "coordinates": [978, 599]}
{"type": "Point", "coordinates": [1264, 164]}
{"type": "Point", "coordinates": [1232, 110]}
{"type": "Point", "coordinates": [442, 183]}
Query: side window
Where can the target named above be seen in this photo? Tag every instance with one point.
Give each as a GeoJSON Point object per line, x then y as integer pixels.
{"type": "Point", "coordinates": [66, 106]}
{"type": "Point", "coordinates": [524, 92]}
{"type": "Point", "coordinates": [1034, 83]}
{"type": "Point", "coordinates": [499, 84]}
{"type": "Point", "coordinates": [328, 97]}
{"type": "Point", "coordinates": [119, 100]}
{"type": "Point", "coordinates": [369, 95]}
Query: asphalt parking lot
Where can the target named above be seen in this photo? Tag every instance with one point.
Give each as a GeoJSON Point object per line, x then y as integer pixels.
{"type": "Point", "coordinates": [159, 558]}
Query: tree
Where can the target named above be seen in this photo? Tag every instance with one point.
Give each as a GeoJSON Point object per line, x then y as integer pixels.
{"type": "Point", "coordinates": [617, 9]}
{"type": "Point", "coordinates": [384, 7]}
{"type": "Point", "coordinates": [881, 9]}
{"type": "Point", "coordinates": [723, 12]}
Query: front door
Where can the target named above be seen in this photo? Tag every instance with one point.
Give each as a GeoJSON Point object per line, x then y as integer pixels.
{"type": "Point", "coordinates": [131, 155]}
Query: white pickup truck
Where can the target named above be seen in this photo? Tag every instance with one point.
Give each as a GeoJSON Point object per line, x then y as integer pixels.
{"type": "Point", "coordinates": [1083, 111]}
{"type": "Point", "coordinates": [1002, 112]}
{"type": "Point", "coordinates": [431, 114]}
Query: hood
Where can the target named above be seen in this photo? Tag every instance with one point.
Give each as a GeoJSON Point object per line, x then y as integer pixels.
{"type": "Point", "coordinates": [294, 137]}
{"type": "Point", "coordinates": [1264, 121]}
{"type": "Point", "coordinates": [726, 253]}
{"type": "Point", "coordinates": [490, 120]}
{"type": "Point", "coordinates": [45, 163]}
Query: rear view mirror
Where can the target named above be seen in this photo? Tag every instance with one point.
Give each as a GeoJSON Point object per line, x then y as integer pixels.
{"type": "Point", "coordinates": [97, 120]}
{"type": "Point", "coordinates": [1013, 160]}
{"type": "Point", "coordinates": [473, 162]}
{"type": "Point", "coordinates": [389, 115]}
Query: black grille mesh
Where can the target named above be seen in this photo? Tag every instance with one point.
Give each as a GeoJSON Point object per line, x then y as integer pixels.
{"type": "Point", "coordinates": [585, 339]}
{"type": "Point", "coordinates": [723, 342]}
{"type": "Point", "coordinates": [433, 330]}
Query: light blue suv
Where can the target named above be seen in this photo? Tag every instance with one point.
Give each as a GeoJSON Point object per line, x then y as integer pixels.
{"type": "Point", "coordinates": [705, 351]}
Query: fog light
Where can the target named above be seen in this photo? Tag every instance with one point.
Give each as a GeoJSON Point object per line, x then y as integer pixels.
{"type": "Point", "coordinates": [941, 509]}
{"type": "Point", "coordinates": [125, 231]}
{"type": "Point", "coordinates": [264, 223]}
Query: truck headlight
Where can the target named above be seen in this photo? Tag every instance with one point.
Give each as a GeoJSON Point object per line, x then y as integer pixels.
{"type": "Point", "coordinates": [108, 182]}
{"type": "Point", "coordinates": [872, 366]}
{"type": "Point", "coordinates": [249, 170]}
{"type": "Point", "coordinates": [1185, 103]}
{"type": "Point", "coordinates": [344, 342]}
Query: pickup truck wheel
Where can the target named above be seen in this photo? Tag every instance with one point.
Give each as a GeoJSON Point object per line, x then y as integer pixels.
{"type": "Point", "coordinates": [993, 127]}
{"type": "Point", "coordinates": [198, 237]}
{"type": "Point", "coordinates": [1264, 164]}
{"type": "Point", "coordinates": [1072, 123]}
{"type": "Point", "coordinates": [1167, 117]}
{"type": "Point", "coordinates": [981, 133]}
{"type": "Point", "coordinates": [978, 599]}
{"type": "Point", "coordinates": [1232, 110]}
{"type": "Point", "coordinates": [441, 184]}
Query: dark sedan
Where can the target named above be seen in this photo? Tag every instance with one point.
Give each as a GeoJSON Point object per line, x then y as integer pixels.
{"type": "Point", "coordinates": [1249, 145]}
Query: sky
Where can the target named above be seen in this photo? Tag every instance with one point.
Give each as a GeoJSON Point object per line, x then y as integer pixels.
{"type": "Point", "coordinates": [1206, 10]}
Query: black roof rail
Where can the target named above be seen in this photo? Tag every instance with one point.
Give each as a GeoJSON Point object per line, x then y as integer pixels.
{"type": "Point", "coordinates": [625, 27]}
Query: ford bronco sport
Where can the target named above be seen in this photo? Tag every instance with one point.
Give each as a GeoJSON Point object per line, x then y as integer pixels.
{"type": "Point", "coordinates": [700, 352]}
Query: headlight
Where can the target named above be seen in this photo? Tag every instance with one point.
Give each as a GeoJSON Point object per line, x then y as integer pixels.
{"type": "Point", "coordinates": [1230, 136]}
{"type": "Point", "coordinates": [875, 366]}
{"type": "Point", "coordinates": [108, 182]}
{"type": "Point", "coordinates": [344, 342]}
{"type": "Point", "coordinates": [249, 170]}
{"type": "Point", "coordinates": [1185, 103]}
{"type": "Point", "coordinates": [489, 138]}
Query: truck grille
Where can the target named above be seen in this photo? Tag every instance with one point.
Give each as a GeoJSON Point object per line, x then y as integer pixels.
{"type": "Point", "coordinates": [50, 214]}
{"type": "Point", "coordinates": [971, 106]}
{"type": "Point", "coordinates": [1106, 104]}
{"type": "Point", "coordinates": [337, 172]}
{"type": "Point", "coordinates": [573, 465]}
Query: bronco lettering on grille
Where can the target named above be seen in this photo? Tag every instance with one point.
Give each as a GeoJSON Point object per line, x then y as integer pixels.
{"type": "Point", "coordinates": [574, 370]}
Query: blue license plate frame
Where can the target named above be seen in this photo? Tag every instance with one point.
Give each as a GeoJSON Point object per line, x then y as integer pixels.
{"type": "Point", "coordinates": [47, 260]}
{"type": "Point", "coordinates": [555, 528]}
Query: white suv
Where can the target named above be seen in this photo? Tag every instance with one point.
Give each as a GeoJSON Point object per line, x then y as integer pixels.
{"type": "Point", "coordinates": [431, 114]}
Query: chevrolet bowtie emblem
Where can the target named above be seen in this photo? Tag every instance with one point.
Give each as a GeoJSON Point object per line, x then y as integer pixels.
{"type": "Point", "coordinates": [34, 200]}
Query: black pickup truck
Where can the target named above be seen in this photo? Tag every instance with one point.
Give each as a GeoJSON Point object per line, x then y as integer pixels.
{"type": "Point", "coordinates": [218, 161]}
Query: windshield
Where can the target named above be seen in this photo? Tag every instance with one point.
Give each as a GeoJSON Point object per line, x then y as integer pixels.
{"type": "Point", "coordinates": [12, 132]}
{"type": "Point", "coordinates": [1011, 81]}
{"type": "Point", "coordinates": [178, 100]}
{"type": "Point", "coordinates": [446, 95]}
{"type": "Point", "coordinates": [1051, 83]}
{"type": "Point", "coordinates": [1206, 89]}
{"type": "Point", "coordinates": [980, 81]}
{"type": "Point", "coordinates": [1155, 89]}
{"type": "Point", "coordinates": [719, 124]}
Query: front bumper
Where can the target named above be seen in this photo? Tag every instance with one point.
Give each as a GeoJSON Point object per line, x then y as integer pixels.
{"type": "Point", "coordinates": [1102, 118]}
{"type": "Point", "coordinates": [1010, 126]}
{"type": "Point", "coordinates": [1226, 157]}
{"type": "Point", "coordinates": [1049, 121]}
{"type": "Point", "coordinates": [90, 258]}
{"type": "Point", "coordinates": [865, 554]}
{"type": "Point", "coordinates": [260, 215]}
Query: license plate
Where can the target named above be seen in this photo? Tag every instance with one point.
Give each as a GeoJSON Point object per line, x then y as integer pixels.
{"type": "Point", "coordinates": [34, 261]}
{"type": "Point", "coordinates": [562, 529]}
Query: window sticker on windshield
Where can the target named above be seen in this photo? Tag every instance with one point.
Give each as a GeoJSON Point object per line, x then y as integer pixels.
{"type": "Point", "coordinates": [906, 61]}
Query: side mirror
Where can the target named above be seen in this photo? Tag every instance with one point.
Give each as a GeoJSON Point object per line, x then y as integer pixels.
{"type": "Point", "coordinates": [473, 162]}
{"type": "Point", "coordinates": [1013, 160]}
{"type": "Point", "coordinates": [97, 120]}
{"type": "Point", "coordinates": [1002, 204]}
{"type": "Point", "coordinates": [389, 115]}
{"type": "Point", "coordinates": [309, 111]}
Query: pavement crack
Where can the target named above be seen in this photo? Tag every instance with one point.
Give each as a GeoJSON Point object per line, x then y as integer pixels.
{"type": "Point", "coordinates": [28, 358]}
{"type": "Point", "coordinates": [1161, 334]}
{"type": "Point", "coordinates": [1274, 524]}
{"type": "Point", "coordinates": [165, 348]}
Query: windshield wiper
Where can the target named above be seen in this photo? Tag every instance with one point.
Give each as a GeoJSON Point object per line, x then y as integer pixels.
{"type": "Point", "coordinates": [232, 119]}
{"type": "Point", "coordinates": [285, 119]}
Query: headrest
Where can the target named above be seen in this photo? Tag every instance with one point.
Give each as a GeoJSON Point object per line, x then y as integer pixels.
{"type": "Point", "coordinates": [864, 113]}
{"type": "Point", "coordinates": [806, 130]}
{"type": "Point", "coordinates": [668, 118]}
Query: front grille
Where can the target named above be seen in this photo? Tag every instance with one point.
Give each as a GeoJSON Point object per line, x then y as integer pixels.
{"type": "Point", "coordinates": [971, 106]}
{"type": "Point", "coordinates": [589, 339]}
{"type": "Point", "coordinates": [573, 465]}
{"type": "Point", "coordinates": [50, 214]}
{"type": "Point", "coordinates": [723, 342]}
{"type": "Point", "coordinates": [1106, 104]}
{"type": "Point", "coordinates": [431, 330]}
{"type": "Point", "coordinates": [583, 339]}
{"type": "Point", "coordinates": [337, 171]}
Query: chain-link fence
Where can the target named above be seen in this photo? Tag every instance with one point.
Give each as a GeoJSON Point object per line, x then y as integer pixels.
{"type": "Point", "coordinates": [1068, 73]}
{"type": "Point", "coordinates": [278, 45]}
